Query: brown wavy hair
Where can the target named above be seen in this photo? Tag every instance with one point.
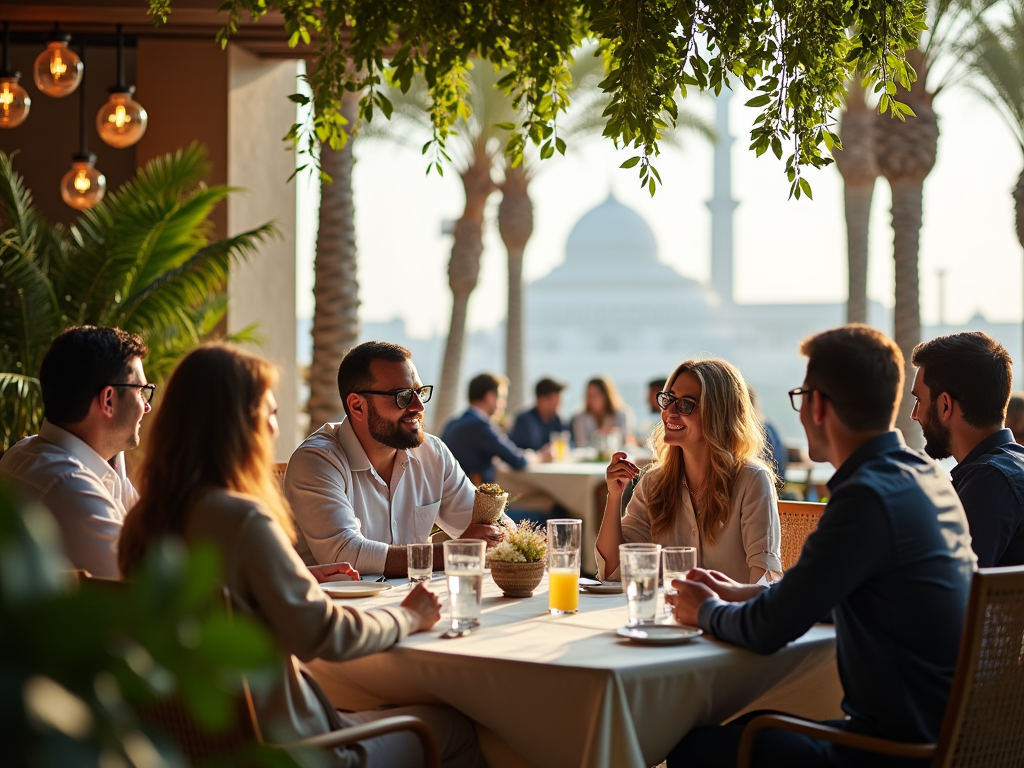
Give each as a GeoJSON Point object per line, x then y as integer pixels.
{"type": "Point", "coordinates": [208, 431]}
{"type": "Point", "coordinates": [612, 399]}
{"type": "Point", "coordinates": [734, 436]}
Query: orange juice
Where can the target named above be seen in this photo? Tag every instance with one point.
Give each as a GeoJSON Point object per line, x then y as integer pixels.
{"type": "Point", "coordinates": [564, 590]}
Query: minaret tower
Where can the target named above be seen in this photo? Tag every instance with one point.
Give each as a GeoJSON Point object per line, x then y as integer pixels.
{"type": "Point", "coordinates": [721, 204]}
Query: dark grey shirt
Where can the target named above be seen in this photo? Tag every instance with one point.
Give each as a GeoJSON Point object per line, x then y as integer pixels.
{"type": "Point", "coordinates": [891, 558]}
{"type": "Point", "coordinates": [990, 483]}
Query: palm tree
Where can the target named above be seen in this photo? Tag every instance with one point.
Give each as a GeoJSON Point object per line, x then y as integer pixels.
{"type": "Point", "coordinates": [141, 260]}
{"type": "Point", "coordinates": [997, 59]}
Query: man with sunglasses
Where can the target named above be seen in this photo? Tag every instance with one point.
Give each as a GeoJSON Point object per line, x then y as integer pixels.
{"type": "Point", "coordinates": [365, 486]}
{"type": "Point", "coordinates": [94, 397]}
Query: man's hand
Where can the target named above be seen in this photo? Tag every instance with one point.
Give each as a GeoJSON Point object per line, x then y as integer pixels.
{"type": "Point", "coordinates": [489, 533]}
{"type": "Point", "coordinates": [545, 454]}
{"type": "Point", "coordinates": [728, 589]}
{"type": "Point", "coordinates": [686, 602]}
{"type": "Point", "coordinates": [334, 572]}
{"type": "Point", "coordinates": [425, 604]}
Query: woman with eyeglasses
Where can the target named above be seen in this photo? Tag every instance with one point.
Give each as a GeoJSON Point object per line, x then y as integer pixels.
{"type": "Point", "coordinates": [207, 478]}
{"type": "Point", "coordinates": [707, 485]}
{"type": "Point", "coordinates": [603, 411]}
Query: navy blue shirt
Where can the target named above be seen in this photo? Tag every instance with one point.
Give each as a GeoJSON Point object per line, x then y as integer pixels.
{"type": "Point", "coordinates": [531, 432]}
{"type": "Point", "coordinates": [891, 558]}
{"type": "Point", "coordinates": [475, 442]}
{"type": "Point", "coordinates": [990, 483]}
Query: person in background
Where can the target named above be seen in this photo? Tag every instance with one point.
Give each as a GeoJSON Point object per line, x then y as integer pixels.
{"type": "Point", "coordinates": [94, 397]}
{"type": "Point", "coordinates": [643, 432]}
{"type": "Point", "coordinates": [364, 487]}
{"type": "Point", "coordinates": [962, 387]}
{"type": "Point", "coordinates": [707, 485]}
{"type": "Point", "coordinates": [533, 427]}
{"type": "Point", "coordinates": [603, 412]}
{"type": "Point", "coordinates": [777, 453]}
{"type": "Point", "coordinates": [207, 478]}
{"type": "Point", "coordinates": [890, 560]}
{"type": "Point", "coordinates": [1015, 416]}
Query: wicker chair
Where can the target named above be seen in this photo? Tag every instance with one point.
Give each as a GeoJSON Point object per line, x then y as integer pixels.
{"type": "Point", "coordinates": [279, 470]}
{"type": "Point", "coordinates": [798, 520]}
{"type": "Point", "coordinates": [984, 722]}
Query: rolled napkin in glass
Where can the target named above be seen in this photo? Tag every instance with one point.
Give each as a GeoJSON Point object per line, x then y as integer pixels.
{"type": "Point", "coordinates": [490, 504]}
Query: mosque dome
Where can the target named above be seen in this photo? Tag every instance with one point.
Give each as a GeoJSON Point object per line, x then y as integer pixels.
{"type": "Point", "coordinates": [611, 232]}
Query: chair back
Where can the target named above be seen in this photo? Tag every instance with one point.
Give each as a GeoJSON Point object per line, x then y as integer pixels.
{"type": "Point", "coordinates": [279, 470]}
{"type": "Point", "coordinates": [984, 722]}
{"type": "Point", "coordinates": [798, 519]}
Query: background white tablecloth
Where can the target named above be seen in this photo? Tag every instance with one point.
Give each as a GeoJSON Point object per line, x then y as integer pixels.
{"type": "Point", "coordinates": [555, 692]}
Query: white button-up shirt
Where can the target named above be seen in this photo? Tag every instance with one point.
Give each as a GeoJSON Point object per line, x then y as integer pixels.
{"type": "Point", "coordinates": [87, 495]}
{"type": "Point", "coordinates": [345, 512]}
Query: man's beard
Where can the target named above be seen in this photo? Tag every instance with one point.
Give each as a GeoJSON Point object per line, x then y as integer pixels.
{"type": "Point", "coordinates": [936, 435]}
{"type": "Point", "coordinates": [391, 434]}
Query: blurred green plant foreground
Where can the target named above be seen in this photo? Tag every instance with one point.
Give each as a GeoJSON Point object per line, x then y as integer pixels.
{"type": "Point", "coordinates": [78, 664]}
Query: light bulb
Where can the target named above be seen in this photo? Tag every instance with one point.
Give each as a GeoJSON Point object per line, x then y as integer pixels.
{"type": "Point", "coordinates": [14, 101]}
{"type": "Point", "coordinates": [122, 120]}
{"type": "Point", "coordinates": [83, 186]}
{"type": "Point", "coordinates": [58, 70]}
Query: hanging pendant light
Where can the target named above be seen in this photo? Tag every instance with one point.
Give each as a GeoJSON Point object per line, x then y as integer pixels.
{"type": "Point", "coordinates": [122, 120]}
{"type": "Point", "coordinates": [14, 100]}
{"type": "Point", "coordinates": [83, 186]}
{"type": "Point", "coordinates": [58, 70]}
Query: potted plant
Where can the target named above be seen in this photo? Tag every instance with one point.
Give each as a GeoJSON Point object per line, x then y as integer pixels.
{"type": "Point", "coordinates": [517, 563]}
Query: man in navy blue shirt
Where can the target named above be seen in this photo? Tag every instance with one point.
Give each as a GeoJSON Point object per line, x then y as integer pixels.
{"type": "Point", "coordinates": [962, 388]}
{"type": "Point", "coordinates": [533, 428]}
{"type": "Point", "coordinates": [890, 559]}
{"type": "Point", "coordinates": [474, 439]}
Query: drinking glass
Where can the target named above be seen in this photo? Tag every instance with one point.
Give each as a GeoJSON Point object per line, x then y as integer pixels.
{"type": "Point", "coordinates": [676, 562]}
{"type": "Point", "coordinates": [638, 564]}
{"type": "Point", "coordinates": [564, 565]}
{"type": "Point", "coordinates": [559, 446]}
{"type": "Point", "coordinates": [420, 559]}
{"type": "Point", "coordinates": [464, 569]}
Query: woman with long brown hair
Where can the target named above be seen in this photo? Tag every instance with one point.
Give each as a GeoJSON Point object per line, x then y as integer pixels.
{"type": "Point", "coordinates": [707, 485]}
{"type": "Point", "coordinates": [603, 411]}
{"type": "Point", "coordinates": [207, 477]}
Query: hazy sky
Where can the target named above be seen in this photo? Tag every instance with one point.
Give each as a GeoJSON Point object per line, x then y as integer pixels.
{"type": "Point", "coordinates": [785, 250]}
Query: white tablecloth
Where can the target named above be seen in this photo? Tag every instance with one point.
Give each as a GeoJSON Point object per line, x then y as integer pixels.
{"type": "Point", "coordinates": [561, 692]}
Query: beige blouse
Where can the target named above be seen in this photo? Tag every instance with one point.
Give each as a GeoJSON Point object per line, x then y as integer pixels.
{"type": "Point", "coordinates": [749, 538]}
{"type": "Point", "coordinates": [268, 581]}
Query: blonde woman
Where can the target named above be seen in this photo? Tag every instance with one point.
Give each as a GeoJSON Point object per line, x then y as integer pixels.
{"type": "Point", "coordinates": [603, 411]}
{"type": "Point", "coordinates": [707, 485]}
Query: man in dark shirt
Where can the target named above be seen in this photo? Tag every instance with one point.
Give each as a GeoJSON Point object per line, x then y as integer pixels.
{"type": "Point", "coordinates": [890, 559]}
{"type": "Point", "coordinates": [962, 388]}
{"type": "Point", "coordinates": [533, 428]}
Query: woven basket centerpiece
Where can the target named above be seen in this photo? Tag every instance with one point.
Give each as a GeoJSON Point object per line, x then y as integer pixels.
{"type": "Point", "coordinates": [517, 579]}
{"type": "Point", "coordinates": [489, 504]}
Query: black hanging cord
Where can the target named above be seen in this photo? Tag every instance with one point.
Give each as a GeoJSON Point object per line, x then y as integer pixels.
{"type": "Point", "coordinates": [7, 50]}
{"type": "Point", "coordinates": [122, 87]}
{"type": "Point", "coordinates": [83, 123]}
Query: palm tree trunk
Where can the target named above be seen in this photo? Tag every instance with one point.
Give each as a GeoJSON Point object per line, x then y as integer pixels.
{"type": "Point", "coordinates": [907, 202]}
{"type": "Point", "coordinates": [857, 204]}
{"type": "Point", "coordinates": [335, 288]}
{"type": "Point", "coordinates": [515, 222]}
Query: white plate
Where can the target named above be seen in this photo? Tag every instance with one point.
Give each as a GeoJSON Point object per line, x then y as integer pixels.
{"type": "Point", "coordinates": [660, 634]}
{"type": "Point", "coordinates": [604, 588]}
{"type": "Point", "coordinates": [339, 589]}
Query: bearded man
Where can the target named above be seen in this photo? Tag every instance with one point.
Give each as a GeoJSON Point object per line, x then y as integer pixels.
{"type": "Point", "coordinates": [364, 487]}
{"type": "Point", "coordinates": [962, 388]}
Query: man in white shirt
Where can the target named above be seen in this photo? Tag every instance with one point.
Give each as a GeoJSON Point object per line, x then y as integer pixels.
{"type": "Point", "coordinates": [364, 487]}
{"type": "Point", "coordinates": [94, 397]}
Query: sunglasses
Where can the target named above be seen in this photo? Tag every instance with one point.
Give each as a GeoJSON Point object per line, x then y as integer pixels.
{"type": "Point", "coordinates": [684, 405]}
{"type": "Point", "coordinates": [403, 397]}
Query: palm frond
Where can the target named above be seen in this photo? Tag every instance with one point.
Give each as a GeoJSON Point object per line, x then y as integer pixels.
{"type": "Point", "coordinates": [17, 211]}
{"type": "Point", "coordinates": [996, 58]}
{"type": "Point", "coordinates": [29, 310]}
{"type": "Point", "coordinates": [21, 408]}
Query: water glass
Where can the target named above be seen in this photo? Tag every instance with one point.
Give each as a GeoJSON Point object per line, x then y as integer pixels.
{"type": "Point", "coordinates": [564, 538]}
{"type": "Point", "coordinates": [638, 564]}
{"type": "Point", "coordinates": [676, 562]}
{"type": "Point", "coordinates": [420, 559]}
{"type": "Point", "coordinates": [464, 569]}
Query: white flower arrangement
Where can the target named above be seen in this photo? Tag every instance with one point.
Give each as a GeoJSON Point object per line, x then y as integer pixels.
{"type": "Point", "coordinates": [525, 542]}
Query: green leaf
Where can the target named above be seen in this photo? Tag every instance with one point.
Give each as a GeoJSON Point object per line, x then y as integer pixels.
{"type": "Point", "coordinates": [631, 162]}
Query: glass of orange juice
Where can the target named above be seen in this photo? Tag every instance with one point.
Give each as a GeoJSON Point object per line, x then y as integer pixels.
{"type": "Point", "coordinates": [564, 565]}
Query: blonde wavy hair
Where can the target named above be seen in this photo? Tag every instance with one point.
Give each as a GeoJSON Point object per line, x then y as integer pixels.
{"type": "Point", "coordinates": [735, 438]}
{"type": "Point", "coordinates": [210, 429]}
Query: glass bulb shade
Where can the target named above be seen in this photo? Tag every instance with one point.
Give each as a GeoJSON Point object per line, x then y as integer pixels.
{"type": "Point", "coordinates": [58, 70]}
{"type": "Point", "coordinates": [121, 121]}
{"type": "Point", "coordinates": [14, 103]}
{"type": "Point", "coordinates": [83, 186]}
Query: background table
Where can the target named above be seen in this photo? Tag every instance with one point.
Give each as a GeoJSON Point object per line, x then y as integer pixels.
{"type": "Point", "coordinates": [561, 692]}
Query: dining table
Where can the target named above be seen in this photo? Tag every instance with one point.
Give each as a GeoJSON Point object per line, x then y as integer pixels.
{"type": "Point", "coordinates": [566, 691]}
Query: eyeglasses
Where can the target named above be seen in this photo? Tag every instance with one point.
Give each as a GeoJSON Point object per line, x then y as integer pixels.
{"type": "Point", "coordinates": [796, 396]}
{"type": "Point", "coordinates": [145, 390]}
{"type": "Point", "coordinates": [684, 405]}
{"type": "Point", "coordinates": [403, 397]}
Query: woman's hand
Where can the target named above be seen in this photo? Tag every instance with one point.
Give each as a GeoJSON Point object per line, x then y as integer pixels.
{"type": "Point", "coordinates": [425, 604]}
{"type": "Point", "coordinates": [620, 473]}
{"type": "Point", "coordinates": [334, 572]}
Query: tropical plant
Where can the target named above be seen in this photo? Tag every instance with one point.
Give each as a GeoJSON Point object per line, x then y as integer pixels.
{"type": "Point", "coordinates": [141, 260]}
{"type": "Point", "coordinates": [798, 56]}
